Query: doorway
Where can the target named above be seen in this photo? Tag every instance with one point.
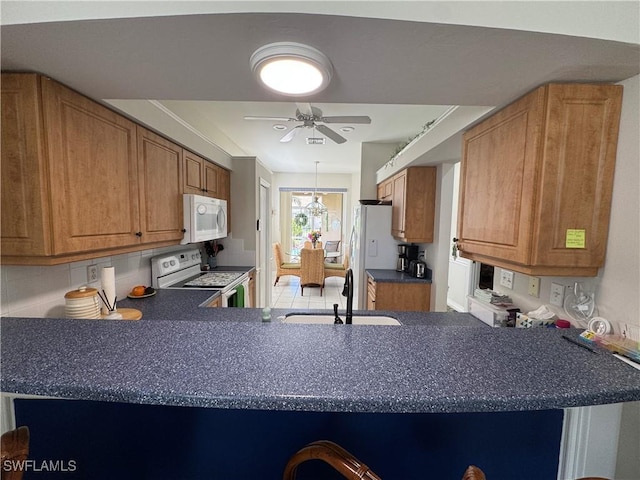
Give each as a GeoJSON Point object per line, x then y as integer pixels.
{"type": "Point", "coordinates": [263, 271]}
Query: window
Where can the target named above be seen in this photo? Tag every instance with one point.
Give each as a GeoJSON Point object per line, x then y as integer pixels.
{"type": "Point", "coordinates": [296, 223]}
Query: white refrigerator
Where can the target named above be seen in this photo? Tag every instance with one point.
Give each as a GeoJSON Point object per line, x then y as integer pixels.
{"type": "Point", "coordinates": [370, 246]}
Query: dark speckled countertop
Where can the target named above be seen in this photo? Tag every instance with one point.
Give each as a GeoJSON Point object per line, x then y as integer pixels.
{"type": "Point", "coordinates": [393, 276]}
{"type": "Point", "coordinates": [183, 354]}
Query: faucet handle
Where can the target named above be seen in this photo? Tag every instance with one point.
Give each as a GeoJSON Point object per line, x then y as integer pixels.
{"type": "Point", "coordinates": [338, 320]}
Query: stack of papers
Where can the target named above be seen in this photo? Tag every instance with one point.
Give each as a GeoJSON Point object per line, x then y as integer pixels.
{"type": "Point", "coordinates": [492, 297]}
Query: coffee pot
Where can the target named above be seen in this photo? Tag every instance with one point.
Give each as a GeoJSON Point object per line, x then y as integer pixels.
{"type": "Point", "coordinates": [406, 253]}
{"type": "Point", "coordinates": [403, 264]}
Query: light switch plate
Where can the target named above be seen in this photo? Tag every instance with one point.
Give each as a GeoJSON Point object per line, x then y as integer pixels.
{"type": "Point", "coordinates": [534, 286]}
{"type": "Point", "coordinates": [506, 279]}
{"type": "Point", "coordinates": [557, 295]}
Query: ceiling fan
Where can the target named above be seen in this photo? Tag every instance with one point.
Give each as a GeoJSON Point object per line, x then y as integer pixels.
{"type": "Point", "coordinates": [311, 117]}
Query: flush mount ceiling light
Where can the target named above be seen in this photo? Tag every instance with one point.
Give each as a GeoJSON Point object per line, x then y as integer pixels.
{"type": "Point", "coordinates": [291, 68]}
{"type": "Point", "coordinates": [279, 126]}
{"type": "Point", "coordinates": [347, 129]}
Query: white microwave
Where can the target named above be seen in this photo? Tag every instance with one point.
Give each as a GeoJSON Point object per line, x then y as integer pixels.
{"type": "Point", "coordinates": [205, 218]}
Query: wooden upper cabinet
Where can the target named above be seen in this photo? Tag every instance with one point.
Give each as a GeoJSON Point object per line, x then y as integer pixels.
{"type": "Point", "coordinates": [385, 190]}
{"type": "Point", "coordinates": [211, 174]}
{"type": "Point", "coordinates": [413, 200]}
{"type": "Point", "coordinates": [398, 208]}
{"type": "Point", "coordinates": [537, 179]}
{"type": "Point", "coordinates": [201, 177]}
{"type": "Point", "coordinates": [80, 180]}
{"type": "Point", "coordinates": [192, 169]}
{"type": "Point", "coordinates": [68, 171]}
{"type": "Point", "coordinates": [25, 216]}
{"type": "Point", "coordinates": [93, 175]}
{"type": "Point", "coordinates": [224, 192]}
{"type": "Point", "coordinates": [160, 186]}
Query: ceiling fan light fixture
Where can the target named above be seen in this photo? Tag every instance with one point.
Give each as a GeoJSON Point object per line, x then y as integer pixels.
{"type": "Point", "coordinates": [291, 68]}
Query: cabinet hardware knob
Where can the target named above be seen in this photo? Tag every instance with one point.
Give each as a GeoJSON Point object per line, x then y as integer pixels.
{"type": "Point", "coordinates": [184, 230]}
{"type": "Point", "coordinates": [138, 234]}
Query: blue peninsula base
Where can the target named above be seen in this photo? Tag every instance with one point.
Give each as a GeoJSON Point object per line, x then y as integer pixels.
{"type": "Point", "coordinates": [121, 440]}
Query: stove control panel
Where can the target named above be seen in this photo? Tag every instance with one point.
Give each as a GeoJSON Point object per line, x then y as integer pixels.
{"type": "Point", "coordinates": [174, 262]}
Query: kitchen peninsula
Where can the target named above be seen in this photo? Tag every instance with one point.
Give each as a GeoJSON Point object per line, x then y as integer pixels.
{"type": "Point", "coordinates": [227, 362]}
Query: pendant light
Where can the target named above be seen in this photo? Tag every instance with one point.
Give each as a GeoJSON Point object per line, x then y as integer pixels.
{"type": "Point", "coordinates": [316, 208]}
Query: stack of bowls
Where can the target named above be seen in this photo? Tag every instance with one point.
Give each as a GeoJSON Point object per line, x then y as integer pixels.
{"type": "Point", "coordinates": [82, 303]}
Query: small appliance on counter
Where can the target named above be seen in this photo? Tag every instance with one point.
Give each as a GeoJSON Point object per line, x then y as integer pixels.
{"type": "Point", "coordinates": [417, 267]}
{"type": "Point", "coordinates": [406, 254]}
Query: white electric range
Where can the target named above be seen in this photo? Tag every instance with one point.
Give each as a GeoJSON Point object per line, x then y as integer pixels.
{"type": "Point", "coordinates": [181, 270]}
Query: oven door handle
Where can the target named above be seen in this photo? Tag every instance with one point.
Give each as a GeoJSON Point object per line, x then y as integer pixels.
{"type": "Point", "coordinates": [229, 293]}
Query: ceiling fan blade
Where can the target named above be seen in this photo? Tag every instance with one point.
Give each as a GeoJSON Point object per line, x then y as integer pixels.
{"type": "Point", "coordinates": [290, 134]}
{"type": "Point", "coordinates": [305, 109]}
{"type": "Point", "coordinates": [330, 133]}
{"type": "Point", "coordinates": [272, 119]}
{"type": "Point", "coordinates": [347, 119]}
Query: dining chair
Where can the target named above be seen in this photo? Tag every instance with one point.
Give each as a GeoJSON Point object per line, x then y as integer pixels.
{"type": "Point", "coordinates": [284, 268]}
{"type": "Point", "coordinates": [311, 269]}
{"type": "Point", "coordinates": [332, 246]}
{"type": "Point", "coordinates": [337, 269]}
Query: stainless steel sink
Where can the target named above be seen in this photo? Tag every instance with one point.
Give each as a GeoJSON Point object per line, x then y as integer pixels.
{"type": "Point", "coordinates": [328, 319]}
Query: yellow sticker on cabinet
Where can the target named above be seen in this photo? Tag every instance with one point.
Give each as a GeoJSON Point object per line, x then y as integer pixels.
{"type": "Point", "coordinates": [575, 238]}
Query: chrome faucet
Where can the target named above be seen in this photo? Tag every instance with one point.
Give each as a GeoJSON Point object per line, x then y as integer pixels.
{"type": "Point", "coordinates": [347, 291]}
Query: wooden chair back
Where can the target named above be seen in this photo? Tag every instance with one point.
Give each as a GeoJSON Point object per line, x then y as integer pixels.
{"type": "Point", "coordinates": [14, 449]}
{"type": "Point", "coordinates": [311, 268]}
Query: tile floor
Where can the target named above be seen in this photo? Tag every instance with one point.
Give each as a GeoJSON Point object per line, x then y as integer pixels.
{"type": "Point", "coordinates": [287, 294]}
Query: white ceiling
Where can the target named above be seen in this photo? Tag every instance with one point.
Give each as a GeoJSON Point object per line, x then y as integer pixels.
{"type": "Point", "coordinates": [401, 73]}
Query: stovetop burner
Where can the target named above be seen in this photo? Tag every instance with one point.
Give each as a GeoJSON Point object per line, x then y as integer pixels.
{"type": "Point", "coordinates": [214, 279]}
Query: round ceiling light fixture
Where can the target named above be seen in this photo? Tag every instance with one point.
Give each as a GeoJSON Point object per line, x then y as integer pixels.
{"type": "Point", "coordinates": [291, 68]}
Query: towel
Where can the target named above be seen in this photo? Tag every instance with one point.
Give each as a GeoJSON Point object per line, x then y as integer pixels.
{"type": "Point", "coordinates": [239, 296]}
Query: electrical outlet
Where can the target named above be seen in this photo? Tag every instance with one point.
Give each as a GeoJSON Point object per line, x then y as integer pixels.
{"type": "Point", "coordinates": [506, 279]}
{"type": "Point", "coordinates": [92, 273]}
{"type": "Point", "coordinates": [534, 286]}
{"type": "Point", "coordinates": [557, 295]}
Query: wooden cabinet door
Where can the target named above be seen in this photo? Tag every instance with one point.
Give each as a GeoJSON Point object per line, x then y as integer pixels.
{"type": "Point", "coordinates": [93, 175]}
{"type": "Point", "coordinates": [25, 219]}
{"type": "Point", "coordinates": [581, 137]}
{"type": "Point", "coordinates": [498, 181]}
{"type": "Point", "coordinates": [211, 181]}
{"type": "Point", "coordinates": [224, 192]}
{"type": "Point", "coordinates": [398, 204]}
{"type": "Point", "coordinates": [160, 172]}
{"type": "Point", "coordinates": [419, 204]}
{"type": "Point", "coordinates": [385, 190]}
{"type": "Point", "coordinates": [404, 297]}
{"type": "Point", "coordinates": [192, 170]}
{"type": "Point", "coordinates": [371, 294]}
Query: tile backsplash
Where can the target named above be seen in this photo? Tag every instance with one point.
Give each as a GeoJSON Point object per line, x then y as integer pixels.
{"type": "Point", "coordinates": [38, 291]}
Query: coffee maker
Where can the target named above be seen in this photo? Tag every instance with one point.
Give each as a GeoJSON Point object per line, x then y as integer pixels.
{"type": "Point", "coordinates": [406, 253]}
